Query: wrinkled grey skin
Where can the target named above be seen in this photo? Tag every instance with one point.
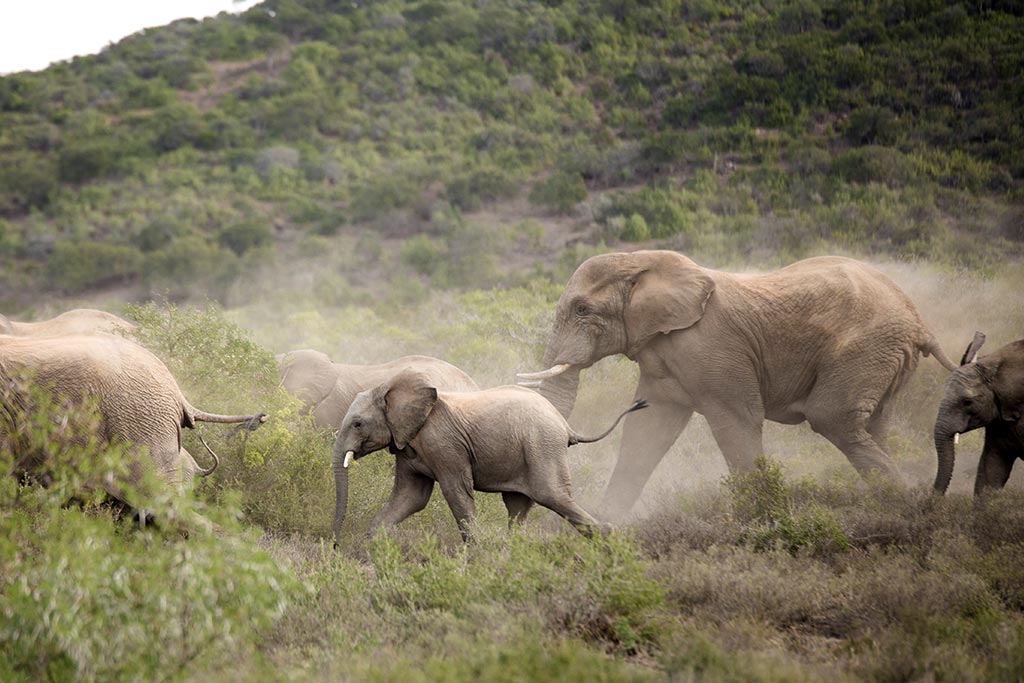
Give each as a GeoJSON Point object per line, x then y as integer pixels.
{"type": "Point", "coordinates": [506, 439]}
{"type": "Point", "coordinates": [984, 392]}
{"type": "Point", "coordinates": [328, 388]}
{"type": "Point", "coordinates": [139, 401]}
{"type": "Point", "coordinates": [828, 340]}
{"type": "Point", "coordinates": [75, 321]}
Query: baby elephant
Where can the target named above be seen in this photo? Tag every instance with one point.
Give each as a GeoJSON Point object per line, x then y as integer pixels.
{"type": "Point", "coordinates": [507, 439]}
{"type": "Point", "coordinates": [985, 391]}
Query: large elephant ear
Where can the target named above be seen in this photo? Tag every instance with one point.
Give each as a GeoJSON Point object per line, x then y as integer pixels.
{"type": "Point", "coordinates": [669, 292]}
{"type": "Point", "coordinates": [408, 400]}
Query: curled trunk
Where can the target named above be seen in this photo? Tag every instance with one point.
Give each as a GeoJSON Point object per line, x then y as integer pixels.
{"type": "Point", "coordinates": [340, 491]}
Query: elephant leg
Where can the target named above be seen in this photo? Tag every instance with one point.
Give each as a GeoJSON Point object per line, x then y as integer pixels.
{"type": "Point", "coordinates": [859, 446]}
{"type": "Point", "coordinates": [646, 437]}
{"type": "Point", "coordinates": [853, 414]}
{"type": "Point", "coordinates": [738, 435]}
{"type": "Point", "coordinates": [994, 467]}
{"type": "Point", "coordinates": [518, 506]}
{"type": "Point", "coordinates": [582, 520]}
{"type": "Point", "coordinates": [878, 426]}
{"type": "Point", "coordinates": [409, 495]}
{"type": "Point", "coordinates": [458, 492]}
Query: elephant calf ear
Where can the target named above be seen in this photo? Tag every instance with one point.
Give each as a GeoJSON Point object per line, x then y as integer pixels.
{"type": "Point", "coordinates": [971, 354]}
{"type": "Point", "coordinates": [407, 403]}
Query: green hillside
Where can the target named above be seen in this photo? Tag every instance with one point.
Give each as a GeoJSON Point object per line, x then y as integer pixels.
{"type": "Point", "coordinates": [464, 144]}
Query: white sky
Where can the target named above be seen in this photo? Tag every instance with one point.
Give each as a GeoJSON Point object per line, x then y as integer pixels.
{"type": "Point", "coordinates": [34, 33]}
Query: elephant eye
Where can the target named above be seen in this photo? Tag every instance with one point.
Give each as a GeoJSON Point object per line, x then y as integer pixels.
{"type": "Point", "coordinates": [357, 423]}
{"type": "Point", "coordinates": [581, 309]}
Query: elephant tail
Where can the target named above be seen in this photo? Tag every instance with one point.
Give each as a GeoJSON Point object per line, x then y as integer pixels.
{"type": "Point", "coordinates": [193, 415]}
{"type": "Point", "coordinates": [930, 346]}
{"type": "Point", "coordinates": [205, 472]}
{"type": "Point", "coordinates": [575, 438]}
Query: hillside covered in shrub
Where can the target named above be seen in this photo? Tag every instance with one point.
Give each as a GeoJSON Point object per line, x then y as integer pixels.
{"type": "Point", "coordinates": [455, 143]}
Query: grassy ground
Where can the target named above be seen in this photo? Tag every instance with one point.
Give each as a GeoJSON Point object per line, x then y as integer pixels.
{"type": "Point", "coordinates": [799, 571]}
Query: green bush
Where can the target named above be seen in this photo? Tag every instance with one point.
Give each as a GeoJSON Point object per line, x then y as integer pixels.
{"type": "Point", "coordinates": [559, 192]}
{"type": "Point", "coordinates": [470, 191]}
{"type": "Point", "coordinates": [88, 598]}
{"type": "Point", "coordinates": [424, 254]}
{"type": "Point", "coordinates": [875, 164]}
{"type": "Point", "coordinates": [77, 266]}
{"type": "Point", "coordinates": [246, 234]}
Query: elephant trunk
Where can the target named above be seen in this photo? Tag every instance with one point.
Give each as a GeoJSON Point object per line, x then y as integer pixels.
{"type": "Point", "coordinates": [561, 390]}
{"type": "Point", "coordinates": [945, 447]}
{"type": "Point", "coordinates": [560, 382]}
{"type": "Point", "coordinates": [340, 465]}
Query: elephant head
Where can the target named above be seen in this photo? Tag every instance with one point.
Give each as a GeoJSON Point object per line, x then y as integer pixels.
{"type": "Point", "coordinates": [617, 303]}
{"type": "Point", "coordinates": [982, 391]}
{"type": "Point", "coordinates": [390, 415]}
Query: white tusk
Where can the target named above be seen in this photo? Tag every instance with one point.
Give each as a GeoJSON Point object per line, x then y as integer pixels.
{"type": "Point", "coordinates": [956, 438]}
{"type": "Point", "coordinates": [532, 383]}
{"type": "Point", "coordinates": [348, 459]}
{"type": "Point", "coordinates": [553, 371]}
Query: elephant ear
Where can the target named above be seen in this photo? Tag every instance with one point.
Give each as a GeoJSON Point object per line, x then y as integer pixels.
{"type": "Point", "coordinates": [971, 353]}
{"type": "Point", "coordinates": [1008, 386]}
{"type": "Point", "coordinates": [408, 399]}
{"type": "Point", "coordinates": [669, 292]}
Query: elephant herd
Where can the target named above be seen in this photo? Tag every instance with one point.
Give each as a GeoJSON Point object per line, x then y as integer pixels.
{"type": "Point", "coordinates": [826, 340]}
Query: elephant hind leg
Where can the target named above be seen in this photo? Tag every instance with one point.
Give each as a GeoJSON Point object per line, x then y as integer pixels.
{"type": "Point", "coordinates": [853, 438]}
{"type": "Point", "coordinates": [518, 506]}
{"type": "Point", "coordinates": [575, 515]}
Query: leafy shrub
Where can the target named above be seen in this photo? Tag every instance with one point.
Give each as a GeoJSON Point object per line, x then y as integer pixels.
{"type": "Point", "coordinates": [561, 191]}
{"type": "Point", "coordinates": [77, 266]}
{"type": "Point", "coordinates": [762, 504]}
{"type": "Point", "coordinates": [246, 234]}
{"type": "Point", "coordinates": [874, 164]}
{"type": "Point", "coordinates": [665, 211]}
{"type": "Point", "coordinates": [470, 191]}
{"type": "Point", "coordinates": [635, 229]}
{"type": "Point", "coordinates": [26, 181]}
{"type": "Point", "coordinates": [86, 597]}
{"type": "Point", "coordinates": [424, 254]}
{"type": "Point", "coordinates": [871, 126]}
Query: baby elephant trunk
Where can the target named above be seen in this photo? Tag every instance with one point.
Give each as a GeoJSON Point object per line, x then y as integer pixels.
{"type": "Point", "coordinates": [575, 438]}
{"type": "Point", "coordinates": [340, 466]}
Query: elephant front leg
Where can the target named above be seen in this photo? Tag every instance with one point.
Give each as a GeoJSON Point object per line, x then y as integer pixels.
{"type": "Point", "coordinates": [646, 437]}
{"type": "Point", "coordinates": [458, 492]}
{"type": "Point", "coordinates": [409, 495]}
{"type": "Point", "coordinates": [995, 464]}
{"type": "Point", "coordinates": [738, 433]}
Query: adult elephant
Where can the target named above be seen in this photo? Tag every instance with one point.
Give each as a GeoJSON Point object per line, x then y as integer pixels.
{"type": "Point", "coordinates": [983, 392]}
{"type": "Point", "coordinates": [828, 340]}
{"type": "Point", "coordinates": [75, 321]}
{"type": "Point", "coordinates": [137, 398]}
{"type": "Point", "coordinates": [327, 388]}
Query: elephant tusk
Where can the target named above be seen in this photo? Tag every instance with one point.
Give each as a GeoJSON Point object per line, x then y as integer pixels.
{"type": "Point", "coordinates": [553, 371]}
{"type": "Point", "coordinates": [956, 438]}
{"type": "Point", "coordinates": [348, 459]}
